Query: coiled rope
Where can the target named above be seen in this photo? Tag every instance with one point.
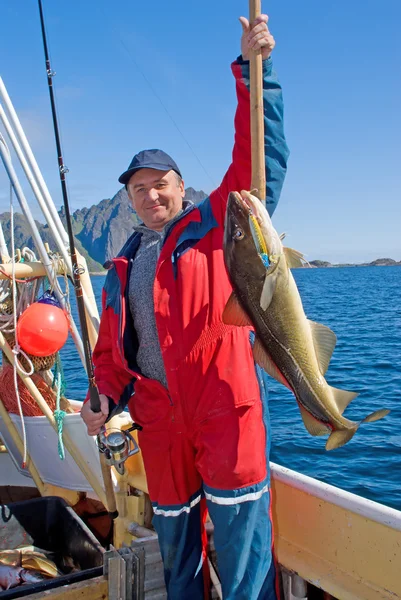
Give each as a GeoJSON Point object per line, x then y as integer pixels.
{"type": "Point", "coordinates": [17, 350]}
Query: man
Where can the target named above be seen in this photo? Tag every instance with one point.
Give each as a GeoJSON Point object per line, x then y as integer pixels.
{"type": "Point", "coordinates": [190, 380]}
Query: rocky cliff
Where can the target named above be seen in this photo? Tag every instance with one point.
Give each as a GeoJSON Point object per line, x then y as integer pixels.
{"type": "Point", "coordinates": [103, 228]}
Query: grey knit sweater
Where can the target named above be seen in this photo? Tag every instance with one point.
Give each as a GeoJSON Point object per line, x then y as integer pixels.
{"type": "Point", "coordinates": [149, 357]}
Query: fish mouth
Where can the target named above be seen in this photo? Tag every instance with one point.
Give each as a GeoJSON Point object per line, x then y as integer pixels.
{"type": "Point", "coordinates": [247, 202]}
{"type": "Point", "coordinates": [242, 203]}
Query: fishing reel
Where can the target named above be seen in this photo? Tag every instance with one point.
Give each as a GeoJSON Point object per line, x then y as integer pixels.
{"type": "Point", "coordinates": [117, 445]}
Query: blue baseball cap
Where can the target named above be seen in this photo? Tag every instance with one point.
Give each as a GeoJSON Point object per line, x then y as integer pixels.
{"type": "Point", "coordinates": [149, 159]}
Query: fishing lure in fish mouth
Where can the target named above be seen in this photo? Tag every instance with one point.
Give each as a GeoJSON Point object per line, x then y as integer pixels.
{"type": "Point", "coordinates": [269, 262]}
{"type": "Point", "coordinates": [258, 239]}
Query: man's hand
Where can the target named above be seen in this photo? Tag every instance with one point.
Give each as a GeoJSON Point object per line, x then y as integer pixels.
{"type": "Point", "coordinates": [256, 37]}
{"type": "Point", "coordinates": [95, 420]}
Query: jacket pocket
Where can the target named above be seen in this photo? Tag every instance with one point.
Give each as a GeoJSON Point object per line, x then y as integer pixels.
{"type": "Point", "coordinates": [151, 406]}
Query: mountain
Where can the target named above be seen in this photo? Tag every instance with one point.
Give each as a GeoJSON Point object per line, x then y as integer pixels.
{"type": "Point", "coordinates": [100, 231]}
{"type": "Point", "coordinates": [22, 233]}
{"type": "Point", "coordinates": [103, 228]}
{"type": "Point", "coordinates": [23, 237]}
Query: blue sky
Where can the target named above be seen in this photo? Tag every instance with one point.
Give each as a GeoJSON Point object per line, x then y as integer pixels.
{"type": "Point", "coordinates": [134, 75]}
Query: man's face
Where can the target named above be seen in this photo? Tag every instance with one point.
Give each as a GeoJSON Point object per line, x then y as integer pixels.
{"type": "Point", "coordinates": [156, 196]}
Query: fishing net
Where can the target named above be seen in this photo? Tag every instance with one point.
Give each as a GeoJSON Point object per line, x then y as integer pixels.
{"type": "Point", "coordinates": [28, 403]}
{"type": "Point", "coordinates": [40, 363]}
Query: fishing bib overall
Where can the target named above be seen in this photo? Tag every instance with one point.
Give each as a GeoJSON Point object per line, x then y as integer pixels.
{"type": "Point", "coordinates": [205, 438]}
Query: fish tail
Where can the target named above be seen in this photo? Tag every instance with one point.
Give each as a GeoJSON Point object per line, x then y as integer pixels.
{"type": "Point", "coordinates": [339, 437]}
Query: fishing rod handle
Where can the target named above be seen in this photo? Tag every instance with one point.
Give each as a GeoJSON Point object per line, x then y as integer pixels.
{"type": "Point", "coordinates": [258, 180]}
{"type": "Point", "coordinates": [94, 397]}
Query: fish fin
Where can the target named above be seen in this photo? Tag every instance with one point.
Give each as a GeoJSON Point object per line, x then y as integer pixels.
{"type": "Point", "coordinates": [313, 425]}
{"type": "Point", "coordinates": [324, 341]}
{"type": "Point", "coordinates": [342, 398]}
{"type": "Point", "coordinates": [375, 416]}
{"type": "Point", "coordinates": [294, 258]}
{"type": "Point", "coordinates": [269, 287]}
{"type": "Point", "coordinates": [340, 437]}
{"type": "Point", "coordinates": [263, 360]}
{"type": "Point", "coordinates": [234, 314]}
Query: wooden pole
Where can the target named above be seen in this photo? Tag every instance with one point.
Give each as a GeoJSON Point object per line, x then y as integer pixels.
{"type": "Point", "coordinates": [91, 311]}
{"type": "Point", "coordinates": [89, 589]}
{"type": "Point", "coordinates": [27, 269]}
{"type": "Point", "coordinates": [257, 120]}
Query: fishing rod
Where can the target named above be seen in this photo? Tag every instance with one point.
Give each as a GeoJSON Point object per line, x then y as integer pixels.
{"type": "Point", "coordinates": [76, 271]}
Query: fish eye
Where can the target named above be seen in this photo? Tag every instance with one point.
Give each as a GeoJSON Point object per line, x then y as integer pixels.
{"type": "Point", "coordinates": [238, 234]}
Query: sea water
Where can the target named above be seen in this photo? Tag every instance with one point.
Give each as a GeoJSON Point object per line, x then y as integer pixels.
{"type": "Point", "coordinates": [363, 307]}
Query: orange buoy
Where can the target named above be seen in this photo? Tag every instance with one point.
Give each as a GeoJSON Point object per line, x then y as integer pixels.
{"type": "Point", "coordinates": [42, 329]}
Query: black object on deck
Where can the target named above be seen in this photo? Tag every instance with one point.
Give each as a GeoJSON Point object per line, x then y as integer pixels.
{"type": "Point", "coordinates": [50, 524]}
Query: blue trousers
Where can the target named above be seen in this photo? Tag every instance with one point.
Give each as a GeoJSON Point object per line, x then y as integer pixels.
{"type": "Point", "coordinates": [242, 536]}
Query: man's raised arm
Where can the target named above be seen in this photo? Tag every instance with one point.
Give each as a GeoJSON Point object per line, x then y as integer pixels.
{"type": "Point", "coordinates": [239, 173]}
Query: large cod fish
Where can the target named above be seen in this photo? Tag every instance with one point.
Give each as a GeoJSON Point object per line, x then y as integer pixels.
{"type": "Point", "coordinates": [292, 349]}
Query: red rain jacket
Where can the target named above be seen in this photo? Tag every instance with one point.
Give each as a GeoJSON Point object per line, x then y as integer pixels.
{"type": "Point", "coordinates": [209, 365]}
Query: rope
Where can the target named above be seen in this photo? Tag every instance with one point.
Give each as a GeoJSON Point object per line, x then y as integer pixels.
{"type": "Point", "coordinates": [16, 349]}
{"type": "Point", "coordinates": [59, 417]}
{"type": "Point", "coordinates": [6, 319]}
{"type": "Point", "coordinates": [28, 255]}
{"type": "Point", "coordinates": [59, 414]}
{"type": "Point", "coordinates": [25, 290]}
{"type": "Point", "coordinates": [52, 283]}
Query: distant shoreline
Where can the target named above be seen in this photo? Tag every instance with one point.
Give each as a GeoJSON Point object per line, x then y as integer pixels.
{"type": "Point", "coordinates": [346, 266]}
{"type": "Point", "coordinates": [320, 264]}
{"type": "Point", "coordinates": [379, 262]}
